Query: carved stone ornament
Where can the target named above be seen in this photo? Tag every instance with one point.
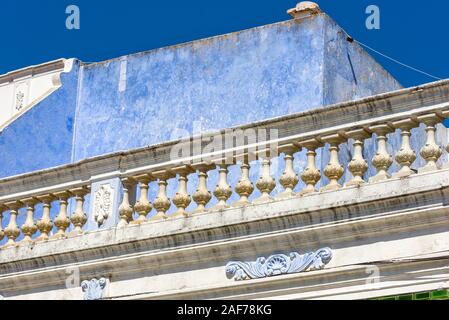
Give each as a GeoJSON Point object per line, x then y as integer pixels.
{"type": "Point", "coordinates": [93, 289]}
{"type": "Point", "coordinates": [278, 264]}
{"type": "Point", "coordinates": [20, 100]}
{"type": "Point", "coordinates": [103, 204]}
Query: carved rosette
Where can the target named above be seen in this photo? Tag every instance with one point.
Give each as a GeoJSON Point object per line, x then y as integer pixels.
{"type": "Point", "coordinates": [103, 198]}
{"type": "Point", "coordinates": [278, 264]}
{"type": "Point", "coordinates": [93, 289]}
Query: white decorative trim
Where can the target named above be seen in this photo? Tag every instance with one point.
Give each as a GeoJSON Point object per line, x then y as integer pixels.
{"type": "Point", "coordinates": [278, 264]}
{"type": "Point", "coordinates": [103, 204]}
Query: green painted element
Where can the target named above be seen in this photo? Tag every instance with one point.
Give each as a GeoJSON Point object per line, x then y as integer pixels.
{"type": "Point", "coordinates": [431, 295]}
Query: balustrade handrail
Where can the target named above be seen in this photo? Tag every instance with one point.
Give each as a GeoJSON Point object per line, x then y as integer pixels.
{"type": "Point", "coordinates": [429, 98]}
{"type": "Point", "coordinates": [333, 125]}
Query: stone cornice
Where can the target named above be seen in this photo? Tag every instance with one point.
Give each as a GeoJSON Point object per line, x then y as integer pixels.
{"type": "Point", "coordinates": [59, 64]}
{"type": "Point", "coordinates": [327, 219]}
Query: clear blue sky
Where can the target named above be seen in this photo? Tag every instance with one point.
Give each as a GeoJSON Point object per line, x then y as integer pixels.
{"type": "Point", "coordinates": [33, 32]}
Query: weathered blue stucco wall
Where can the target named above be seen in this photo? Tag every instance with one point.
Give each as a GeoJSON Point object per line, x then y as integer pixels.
{"type": "Point", "coordinates": [146, 98]}
{"type": "Point", "coordinates": [42, 137]}
{"type": "Point", "coordinates": [221, 82]}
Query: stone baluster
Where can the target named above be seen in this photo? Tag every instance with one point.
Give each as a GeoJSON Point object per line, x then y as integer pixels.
{"type": "Point", "coordinates": [223, 190]}
{"type": "Point", "coordinates": [406, 156]}
{"type": "Point", "coordinates": [162, 203]}
{"type": "Point", "coordinates": [182, 199]}
{"type": "Point", "coordinates": [12, 231]}
{"type": "Point", "coordinates": [62, 221]}
{"type": "Point", "coordinates": [126, 210]}
{"type": "Point", "coordinates": [79, 217]}
{"type": "Point", "coordinates": [266, 183]}
{"type": "Point", "coordinates": [445, 114]}
{"type": "Point", "coordinates": [311, 175]}
{"type": "Point", "coordinates": [382, 161]}
{"type": "Point", "coordinates": [358, 165]}
{"type": "Point", "coordinates": [2, 232]}
{"type": "Point", "coordinates": [334, 170]}
{"type": "Point", "coordinates": [289, 179]}
{"type": "Point", "coordinates": [244, 187]}
{"type": "Point", "coordinates": [431, 152]}
{"type": "Point", "coordinates": [202, 196]}
{"type": "Point", "coordinates": [143, 207]}
{"type": "Point", "coordinates": [45, 225]}
{"type": "Point", "coordinates": [29, 228]}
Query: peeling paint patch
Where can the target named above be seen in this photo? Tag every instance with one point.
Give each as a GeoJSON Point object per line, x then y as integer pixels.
{"type": "Point", "coordinates": [122, 80]}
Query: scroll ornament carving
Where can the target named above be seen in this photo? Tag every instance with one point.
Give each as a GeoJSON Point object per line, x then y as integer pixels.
{"type": "Point", "coordinates": [93, 289]}
{"type": "Point", "coordinates": [279, 264]}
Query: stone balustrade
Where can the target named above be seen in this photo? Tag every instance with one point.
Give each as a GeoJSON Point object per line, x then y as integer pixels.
{"type": "Point", "coordinates": [155, 175]}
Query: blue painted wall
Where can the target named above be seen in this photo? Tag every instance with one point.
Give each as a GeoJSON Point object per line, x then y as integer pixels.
{"type": "Point", "coordinates": [221, 82]}
{"type": "Point", "coordinates": [42, 137]}
{"type": "Point", "coordinates": [224, 81]}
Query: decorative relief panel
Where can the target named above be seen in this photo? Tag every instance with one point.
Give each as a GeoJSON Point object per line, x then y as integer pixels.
{"type": "Point", "coordinates": [103, 204]}
{"type": "Point", "coordinates": [93, 289]}
{"type": "Point", "coordinates": [20, 96]}
{"type": "Point", "coordinates": [278, 264]}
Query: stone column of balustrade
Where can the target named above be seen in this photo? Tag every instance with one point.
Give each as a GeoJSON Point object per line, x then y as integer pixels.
{"type": "Point", "coordinates": [79, 217]}
{"type": "Point", "coordinates": [162, 203]}
{"type": "Point", "coordinates": [431, 152]}
{"type": "Point", "coordinates": [382, 161]}
{"type": "Point", "coordinates": [29, 227]}
{"type": "Point", "coordinates": [445, 114]}
{"type": "Point", "coordinates": [334, 170]}
{"type": "Point", "coordinates": [244, 187]}
{"type": "Point", "coordinates": [358, 166]}
{"type": "Point", "coordinates": [12, 231]}
{"type": "Point", "coordinates": [2, 232]}
{"type": "Point", "coordinates": [45, 225]}
{"type": "Point", "coordinates": [223, 190]}
{"type": "Point", "coordinates": [182, 199]}
{"type": "Point", "coordinates": [266, 183]}
{"type": "Point", "coordinates": [202, 196]}
{"type": "Point", "coordinates": [143, 207]}
{"type": "Point", "coordinates": [406, 156]}
{"type": "Point", "coordinates": [311, 174]}
{"type": "Point", "coordinates": [62, 221]}
{"type": "Point", "coordinates": [289, 179]}
{"type": "Point", "coordinates": [126, 210]}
